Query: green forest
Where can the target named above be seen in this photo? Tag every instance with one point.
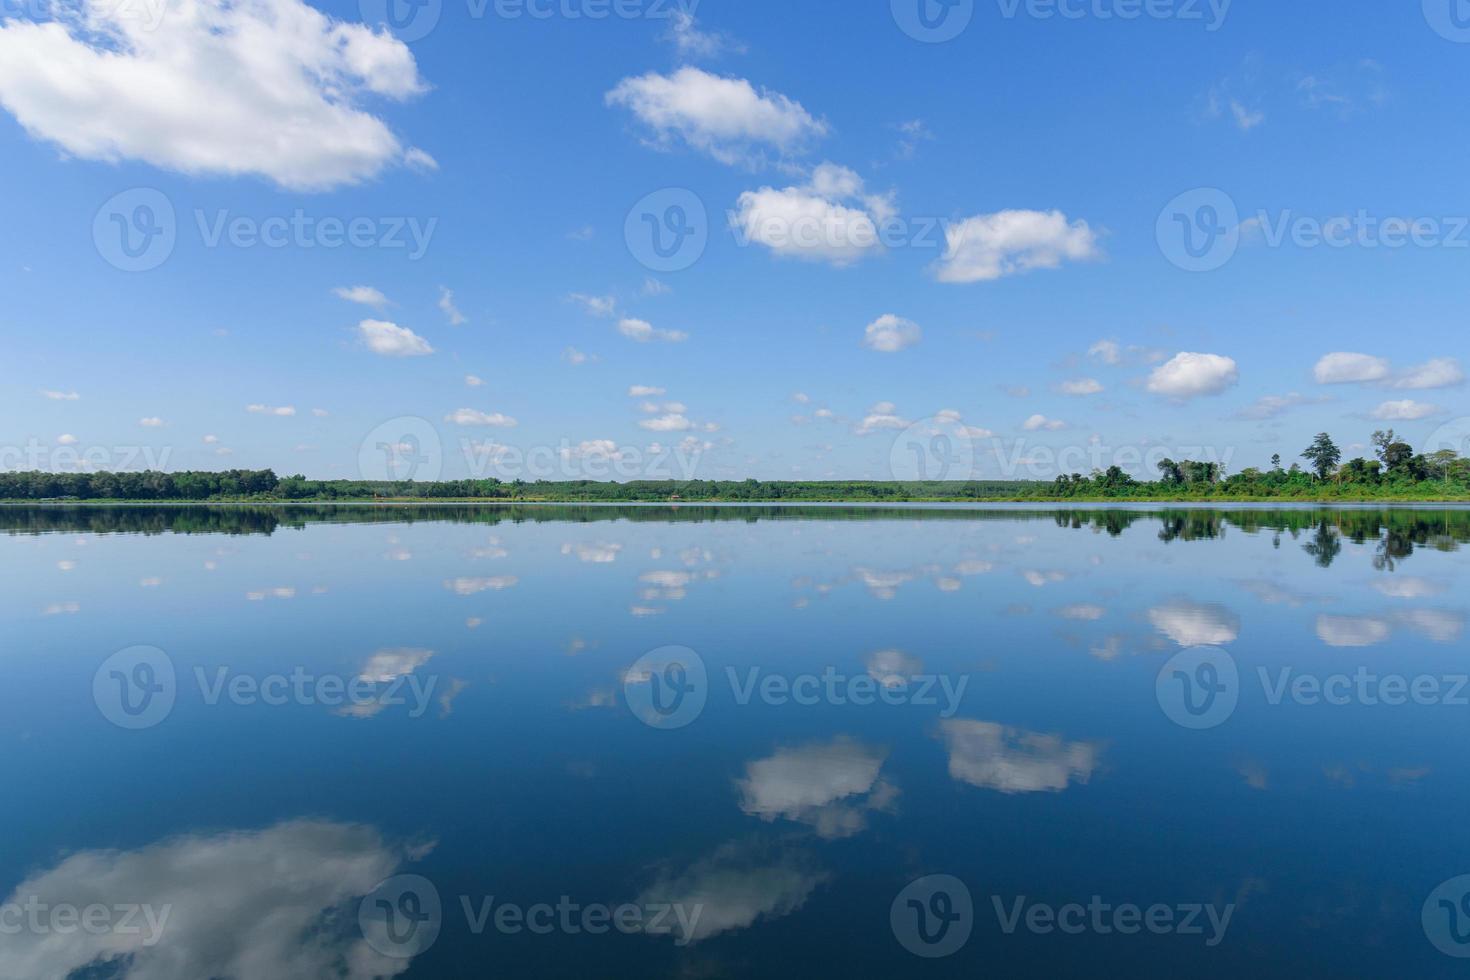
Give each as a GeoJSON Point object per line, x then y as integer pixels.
{"type": "Point", "coordinates": [1396, 472]}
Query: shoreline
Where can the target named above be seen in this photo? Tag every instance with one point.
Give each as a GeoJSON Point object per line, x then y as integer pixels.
{"type": "Point", "coordinates": [786, 502]}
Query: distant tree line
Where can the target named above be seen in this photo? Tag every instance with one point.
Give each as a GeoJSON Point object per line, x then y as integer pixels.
{"type": "Point", "coordinates": [1396, 471]}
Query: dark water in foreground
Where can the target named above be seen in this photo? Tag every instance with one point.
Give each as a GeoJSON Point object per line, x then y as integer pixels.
{"type": "Point", "coordinates": [708, 742]}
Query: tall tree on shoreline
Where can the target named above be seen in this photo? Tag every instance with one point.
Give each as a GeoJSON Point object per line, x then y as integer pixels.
{"type": "Point", "coordinates": [1323, 454]}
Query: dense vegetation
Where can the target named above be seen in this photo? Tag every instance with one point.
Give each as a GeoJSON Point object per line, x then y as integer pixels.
{"type": "Point", "coordinates": [1396, 472]}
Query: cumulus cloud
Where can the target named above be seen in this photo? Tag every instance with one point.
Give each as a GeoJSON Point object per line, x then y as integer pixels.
{"type": "Point", "coordinates": [602, 306]}
{"type": "Point", "coordinates": [151, 422]}
{"type": "Point", "coordinates": [1106, 351]}
{"type": "Point", "coordinates": [1007, 243]}
{"type": "Point", "coordinates": [735, 887]}
{"type": "Point", "coordinates": [1190, 375]}
{"type": "Point", "coordinates": [60, 396]}
{"type": "Point", "coordinates": [890, 334]}
{"type": "Point", "coordinates": [391, 340]}
{"type": "Point", "coordinates": [473, 416]}
{"type": "Point", "coordinates": [1352, 631]}
{"type": "Point", "coordinates": [1039, 423]}
{"type": "Point", "coordinates": [1080, 387]}
{"type": "Point", "coordinates": [883, 415]}
{"type": "Point", "coordinates": [672, 422]}
{"type": "Point", "coordinates": [283, 411]}
{"type": "Point", "coordinates": [366, 295]}
{"type": "Point", "coordinates": [272, 88]}
{"type": "Point", "coordinates": [643, 332]}
{"type": "Point", "coordinates": [1441, 372]}
{"type": "Point", "coordinates": [1348, 368]}
{"type": "Point", "coordinates": [1015, 760]}
{"type": "Point", "coordinates": [644, 391]}
{"type": "Point", "coordinates": [726, 118]}
{"type": "Point", "coordinates": [831, 218]}
{"type": "Point", "coordinates": [830, 786]}
{"type": "Point", "coordinates": [263, 903]}
{"type": "Point", "coordinates": [1192, 624]}
{"type": "Point", "coordinates": [1404, 410]}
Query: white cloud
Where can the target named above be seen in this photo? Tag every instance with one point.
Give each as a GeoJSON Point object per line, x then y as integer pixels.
{"type": "Point", "coordinates": [829, 219]}
{"type": "Point", "coordinates": [447, 307]}
{"type": "Point", "coordinates": [1271, 406]}
{"type": "Point", "coordinates": [1348, 368]}
{"type": "Point", "coordinates": [1246, 119]}
{"type": "Point", "coordinates": [672, 422]}
{"type": "Point", "coordinates": [655, 287]}
{"type": "Point", "coordinates": [828, 786]}
{"type": "Point", "coordinates": [723, 117]}
{"type": "Point", "coordinates": [592, 449]}
{"type": "Point", "coordinates": [263, 903]}
{"type": "Point", "coordinates": [644, 391]}
{"type": "Point", "coordinates": [692, 42]}
{"type": "Point", "coordinates": [472, 416]}
{"type": "Point", "coordinates": [284, 411]}
{"type": "Point", "coordinates": [1189, 375]}
{"type": "Point", "coordinates": [474, 586]}
{"type": "Point", "coordinates": [1080, 387]}
{"type": "Point", "coordinates": [151, 422]}
{"type": "Point", "coordinates": [883, 415]}
{"type": "Point", "coordinates": [1015, 760]}
{"type": "Point", "coordinates": [366, 295]}
{"type": "Point", "coordinates": [642, 331]}
{"type": "Point", "coordinates": [1039, 422]}
{"type": "Point", "coordinates": [473, 381]}
{"type": "Point", "coordinates": [61, 396]}
{"type": "Point", "coordinates": [266, 87]}
{"type": "Point", "coordinates": [1106, 351]}
{"type": "Point", "coordinates": [387, 665]}
{"type": "Point", "coordinates": [391, 340]}
{"type": "Point", "coordinates": [1442, 372]}
{"type": "Point", "coordinates": [1404, 410]}
{"type": "Point", "coordinates": [66, 439]}
{"type": "Point", "coordinates": [602, 306]}
{"type": "Point", "coordinates": [1352, 631]}
{"type": "Point", "coordinates": [733, 889]}
{"type": "Point", "coordinates": [1191, 624]}
{"type": "Point", "coordinates": [991, 246]}
{"type": "Point", "coordinates": [210, 440]}
{"type": "Point", "coordinates": [890, 334]}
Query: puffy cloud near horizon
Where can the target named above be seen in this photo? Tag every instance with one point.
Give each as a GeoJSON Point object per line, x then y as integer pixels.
{"type": "Point", "coordinates": [1441, 372]}
{"type": "Point", "coordinates": [391, 340]}
{"type": "Point", "coordinates": [831, 218]}
{"type": "Point", "coordinates": [272, 88]}
{"type": "Point", "coordinates": [1007, 243]}
{"type": "Point", "coordinates": [1404, 410]}
{"type": "Point", "coordinates": [889, 334]}
{"type": "Point", "coordinates": [1344, 367]}
{"type": "Point", "coordinates": [724, 117]}
{"type": "Point", "coordinates": [1189, 375]}
{"type": "Point", "coordinates": [473, 416]}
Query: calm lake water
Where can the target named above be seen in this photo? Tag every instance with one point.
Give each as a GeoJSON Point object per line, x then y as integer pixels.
{"type": "Point", "coordinates": [708, 742]}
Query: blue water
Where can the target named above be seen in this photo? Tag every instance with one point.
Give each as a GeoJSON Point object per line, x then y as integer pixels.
{"type": "Point", "coordinates": [652, 710]}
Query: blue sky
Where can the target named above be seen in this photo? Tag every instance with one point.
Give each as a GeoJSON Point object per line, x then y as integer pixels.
{"type": "Point", "coordinates": [998, 258]}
